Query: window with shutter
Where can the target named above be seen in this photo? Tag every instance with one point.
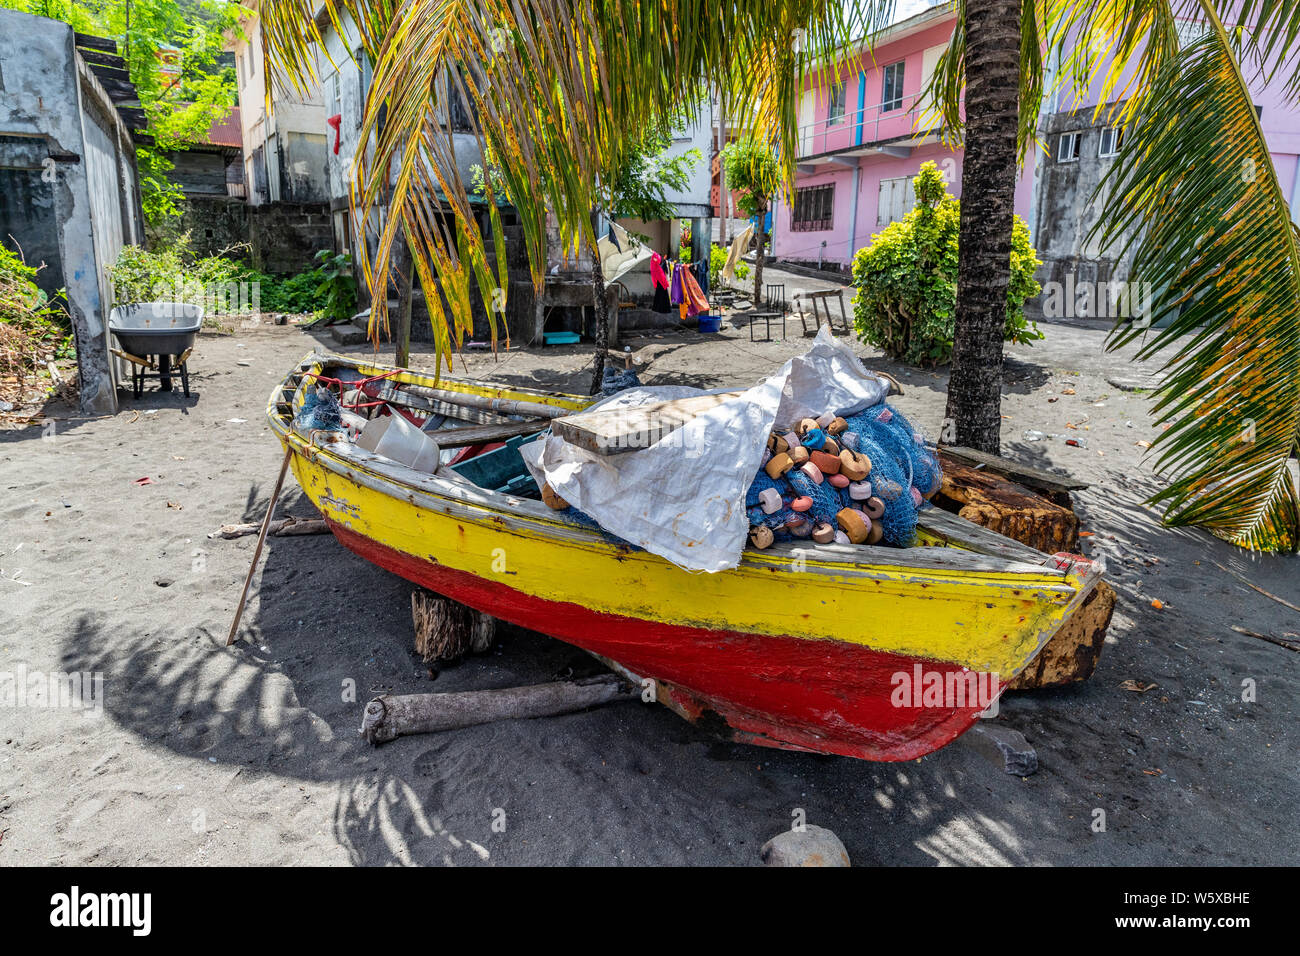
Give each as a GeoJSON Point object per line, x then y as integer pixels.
{"type": "Point", "coordinates": [896, 200]}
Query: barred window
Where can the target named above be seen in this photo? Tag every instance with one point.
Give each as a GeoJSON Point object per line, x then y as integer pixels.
{"type": "Point", "coordinates": [813, 208]}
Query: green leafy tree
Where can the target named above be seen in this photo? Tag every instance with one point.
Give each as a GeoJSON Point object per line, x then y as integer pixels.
{"type": "Point", "coordinates": [179, 105]}
{"type": "Point", "coordinates": [753, 171]}
{"type": "Point", "coordinates": [906, 302]}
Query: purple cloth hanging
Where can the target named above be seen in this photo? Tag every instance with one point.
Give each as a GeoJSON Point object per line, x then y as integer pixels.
{"type": "Point", "coordinates": [676, 295]}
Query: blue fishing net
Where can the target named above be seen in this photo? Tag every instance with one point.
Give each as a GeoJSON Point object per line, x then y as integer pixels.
{"type": "Point", "coordinates": [825, 497]}
{"type": "Point", "coordinates": [900, 458]}
{"type": "Point", "coordinates": [889, 481]}
{"type": "Point", "coordinates": [580, 519]}
{"type": "Point", "coordinates": [904, 443]}
{"type": "Point", "coordinates": [754, 509]}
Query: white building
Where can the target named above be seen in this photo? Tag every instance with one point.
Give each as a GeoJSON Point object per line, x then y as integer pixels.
{"type": "Point", "coordinates": [285, 145]}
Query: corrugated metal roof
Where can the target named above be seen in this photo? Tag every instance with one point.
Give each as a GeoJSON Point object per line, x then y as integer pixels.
{"type": "Point", "coordinates": [226, 132]}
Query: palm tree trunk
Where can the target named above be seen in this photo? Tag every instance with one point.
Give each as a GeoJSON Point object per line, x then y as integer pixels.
{"type": "Point", "coordinates": [602, 310]}
{"type": "Point", "coordinates": [988, 186]}
{"type": "Point", "coordinates": [758, 260]}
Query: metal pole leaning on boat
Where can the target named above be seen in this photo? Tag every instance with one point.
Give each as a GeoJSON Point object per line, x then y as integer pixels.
{"type": "Point", "coordinates": [261, 540]}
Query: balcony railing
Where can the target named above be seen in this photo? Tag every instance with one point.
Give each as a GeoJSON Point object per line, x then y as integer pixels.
{"type": "Point", "coordinates": [861, 127]}
{"type": "Point", "coordinates": [237, 190]}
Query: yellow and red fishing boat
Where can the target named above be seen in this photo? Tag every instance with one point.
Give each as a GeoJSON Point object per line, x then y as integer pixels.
{"type": "Point", "coordinates": [872, 652]}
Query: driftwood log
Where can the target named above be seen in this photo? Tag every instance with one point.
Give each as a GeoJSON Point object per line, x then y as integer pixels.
{"type": "Point", "coordinates": [1054, 486]}
{"type": "Point", "coordinates": [281, 528]}
{"type": "Point", "coordinates": [447, 630]}
{"type": "Point", "coordinates": [387, 718]}
{"type": "Point", "coordinates": [1031, 506]}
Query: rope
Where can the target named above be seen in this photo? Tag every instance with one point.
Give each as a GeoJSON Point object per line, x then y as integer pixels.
{"type": "Point", "coordinates": [358, 384]}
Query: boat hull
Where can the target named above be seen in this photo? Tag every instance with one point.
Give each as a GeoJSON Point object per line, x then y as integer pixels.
{"type": "Point", "coordinates": [772, 690]}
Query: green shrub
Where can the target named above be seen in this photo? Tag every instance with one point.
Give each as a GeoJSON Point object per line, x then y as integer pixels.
{"type": "Point", "coordinates": [906, 303]}
{"type": "Point", "coordinates": [33, 321]}
{"type": "Point", "coordinates": [140, 275]}
{"type": "Point", "coordinates": [718, 259]}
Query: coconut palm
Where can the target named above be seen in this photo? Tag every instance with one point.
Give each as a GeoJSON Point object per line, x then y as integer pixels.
{"type": "Point", "coordinates": [1192, 196]}
{"type": "Point", "coordinates": [560, 88]}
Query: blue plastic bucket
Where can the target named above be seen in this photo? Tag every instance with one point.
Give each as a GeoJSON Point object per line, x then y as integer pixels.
{"type": "Point", "coordinates": [710, 323]}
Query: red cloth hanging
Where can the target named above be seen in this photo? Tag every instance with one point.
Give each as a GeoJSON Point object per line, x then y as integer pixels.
{"type": "Point", "coordinates": [658, 277]}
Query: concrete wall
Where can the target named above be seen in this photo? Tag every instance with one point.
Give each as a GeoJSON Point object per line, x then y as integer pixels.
{"type": "Point", "coordinates": [216, 224]}
{"type": "Point", "coordinates": [285, 237]}
{"type": "Point", "coordinates": [1069, 205]}
{"type": "Point", "coordinates": [280, 238]}
{"type": "Point", "coordinates": [695, 199]}
{"type": "Point", "coordinates": [86, 194]}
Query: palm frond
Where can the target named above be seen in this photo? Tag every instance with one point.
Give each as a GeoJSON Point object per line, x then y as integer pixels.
{"type": "Point", "coordinates": [559, 90]}
{"type": "Point", "coordinates": [1194, 196]}
{"type": "Point", "coordinates": [1116, 48]}
{"type": "Point", "coordinates": [1267, 41]}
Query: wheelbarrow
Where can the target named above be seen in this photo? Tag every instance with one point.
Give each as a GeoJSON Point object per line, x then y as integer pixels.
{"type": "Point", "coordinates": [155, 338]}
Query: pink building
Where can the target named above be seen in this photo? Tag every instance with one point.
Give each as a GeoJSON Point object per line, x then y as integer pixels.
{"type": "Point", "coordinates": [863, 136]}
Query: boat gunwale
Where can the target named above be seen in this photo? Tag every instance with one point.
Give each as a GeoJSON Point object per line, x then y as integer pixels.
{"type": "Point", "coordinates": [980, 551]}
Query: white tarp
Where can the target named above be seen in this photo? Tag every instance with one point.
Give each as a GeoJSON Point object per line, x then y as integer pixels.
{"type": "Point", "coordinates": [684, 497]}
{"type": "Point", "coordinates": [618, 260]}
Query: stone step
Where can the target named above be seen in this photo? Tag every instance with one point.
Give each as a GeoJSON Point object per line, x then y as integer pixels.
{"type": "Point", "coordinates": [347, 334]}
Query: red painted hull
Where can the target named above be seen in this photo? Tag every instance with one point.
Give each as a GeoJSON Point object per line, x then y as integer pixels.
{"type": "Point", "coordinates": [788, 692]}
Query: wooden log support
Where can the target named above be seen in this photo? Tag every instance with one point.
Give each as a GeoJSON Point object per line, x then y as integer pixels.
{"type": "Point", "coordinates": [1031, 506]}
{"type": "Point", "coordinates": [1007, 507]}
{"type": "Point", "coordinates": [446, 630]}
{"type": "Point", "coordinates": [279, 528]}
{"type": "Point", "coordinates": [387, 718]}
